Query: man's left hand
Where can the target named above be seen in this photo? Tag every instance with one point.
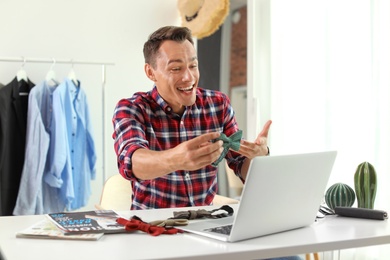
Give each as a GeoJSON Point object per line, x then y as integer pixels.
{"type": "Point", "coordinates": [259, 147]}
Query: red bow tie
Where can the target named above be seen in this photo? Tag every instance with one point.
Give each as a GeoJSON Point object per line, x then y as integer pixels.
{"type": "Point", "coordinates": [135, 223]}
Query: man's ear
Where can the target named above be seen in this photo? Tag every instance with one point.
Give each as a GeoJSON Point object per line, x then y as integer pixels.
{"type": "Point", "coordinates": [149, 72]}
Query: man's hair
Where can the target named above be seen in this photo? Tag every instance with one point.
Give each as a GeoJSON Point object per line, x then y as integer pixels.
{"type": "Point", "coordinates": [173, 33]}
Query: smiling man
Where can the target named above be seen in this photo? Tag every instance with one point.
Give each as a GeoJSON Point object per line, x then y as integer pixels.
{"type": "Point", "coordinates": [165, 138]}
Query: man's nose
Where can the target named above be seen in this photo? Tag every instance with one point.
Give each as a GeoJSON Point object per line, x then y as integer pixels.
{"type": "Point", "coordinates": [187, 75]}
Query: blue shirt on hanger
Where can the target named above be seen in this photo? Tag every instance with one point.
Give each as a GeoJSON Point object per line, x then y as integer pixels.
{"type": "Point", "coordinates": [72, 147]}
{"type": "Point", "coordinates": [35, 196]}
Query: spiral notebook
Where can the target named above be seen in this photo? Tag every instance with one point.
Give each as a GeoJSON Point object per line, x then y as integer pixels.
{"type": "Point", "coordinates": [281, 193]}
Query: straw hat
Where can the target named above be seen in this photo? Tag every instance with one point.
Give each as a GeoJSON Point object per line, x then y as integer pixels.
{"type": "Point", "coordinates": [203, 17]}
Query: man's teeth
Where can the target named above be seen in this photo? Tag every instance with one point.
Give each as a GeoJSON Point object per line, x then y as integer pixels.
{"type": "Point", "coordinates": [186, 89]}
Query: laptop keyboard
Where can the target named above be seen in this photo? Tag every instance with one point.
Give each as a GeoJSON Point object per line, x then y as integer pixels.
{"type": "Point", "coordinates": [221, 230]}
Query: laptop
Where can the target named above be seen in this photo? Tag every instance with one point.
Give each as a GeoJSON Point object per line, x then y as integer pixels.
{"type": "Point", "coordinates": [281, 193]}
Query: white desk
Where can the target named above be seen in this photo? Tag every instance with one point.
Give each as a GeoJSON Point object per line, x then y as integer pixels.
{"type": "Point", "coordinates": [332, 233]}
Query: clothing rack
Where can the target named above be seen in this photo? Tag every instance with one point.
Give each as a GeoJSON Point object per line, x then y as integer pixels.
{"type": "Point", "coordinates": [104, 64]}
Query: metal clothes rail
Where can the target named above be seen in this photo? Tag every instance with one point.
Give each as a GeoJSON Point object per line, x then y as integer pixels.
{"type": "Point", "coordinates": [51, 60]}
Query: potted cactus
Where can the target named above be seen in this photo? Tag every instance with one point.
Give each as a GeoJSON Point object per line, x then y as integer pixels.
{"type": "Point", "coordinates": [339, 194]}
{"type": "Point", "coordinates": [365, 185]}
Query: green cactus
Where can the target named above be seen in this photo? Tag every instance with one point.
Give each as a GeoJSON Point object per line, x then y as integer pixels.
{"type": "Point", "coordinates": [339, 194]}
{"type": "Point", "coordinates": [365, 185]}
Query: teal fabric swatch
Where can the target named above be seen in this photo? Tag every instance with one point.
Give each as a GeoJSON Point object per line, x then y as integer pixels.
{"type": "Point", "coordinates": [232, 142]}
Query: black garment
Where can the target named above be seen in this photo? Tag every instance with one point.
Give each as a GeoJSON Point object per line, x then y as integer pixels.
{"type": "Point", "coordinates": [13, 123]}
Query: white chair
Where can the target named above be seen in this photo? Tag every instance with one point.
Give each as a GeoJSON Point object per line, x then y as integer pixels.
{"type": "Point", "coordinates": [116, 195]}
{"type": "Point", "coordinates": [234, 183]}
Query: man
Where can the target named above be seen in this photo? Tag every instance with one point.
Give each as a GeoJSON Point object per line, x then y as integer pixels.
{"type": "Point", "coordinates": [165, 139]}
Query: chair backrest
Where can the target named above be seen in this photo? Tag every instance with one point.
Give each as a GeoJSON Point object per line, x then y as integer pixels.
{"type": "Point", "coordinates": [235, 184]}
{"type": "Point", "coordinates": [116, 194]}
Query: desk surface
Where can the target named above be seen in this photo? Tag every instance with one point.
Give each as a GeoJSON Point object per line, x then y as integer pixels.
{"type": "Point", "coordinates": [329, 234]}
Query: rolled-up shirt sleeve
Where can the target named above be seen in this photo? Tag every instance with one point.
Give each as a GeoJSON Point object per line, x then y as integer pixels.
{"type": "Point", "coordinates": [129, 135]}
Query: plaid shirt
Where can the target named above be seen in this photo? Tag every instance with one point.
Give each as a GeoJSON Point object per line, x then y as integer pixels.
{"type": "Point", "coordinates": [146, 121]}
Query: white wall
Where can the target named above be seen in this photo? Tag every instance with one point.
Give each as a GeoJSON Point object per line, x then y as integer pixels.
{"type": "Point", "coordinates": [94, 30]}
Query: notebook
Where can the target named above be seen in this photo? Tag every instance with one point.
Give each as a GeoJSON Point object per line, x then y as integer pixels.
{"type": "Point", "coordinates": [281, 193]}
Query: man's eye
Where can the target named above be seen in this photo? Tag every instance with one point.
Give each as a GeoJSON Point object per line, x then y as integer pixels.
{"type": "Point", "coordinates": [175, 69]}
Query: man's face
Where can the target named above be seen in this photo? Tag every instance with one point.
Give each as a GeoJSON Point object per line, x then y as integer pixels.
{"type": "Point", "coordinates": [176, 74]}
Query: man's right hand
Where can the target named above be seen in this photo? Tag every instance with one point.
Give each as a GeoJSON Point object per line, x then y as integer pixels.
{"type": "Point", "coordinates": [189, 155]}
{"type": "Point", "coordinates": [196, 153]}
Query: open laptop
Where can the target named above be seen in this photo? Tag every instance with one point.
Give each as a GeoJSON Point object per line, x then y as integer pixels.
{"type": "Point", "coordinates": [281, 193]}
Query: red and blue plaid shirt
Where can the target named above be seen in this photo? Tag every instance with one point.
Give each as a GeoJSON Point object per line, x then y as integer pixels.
{"type": "Point", "coordinates": [146, 121]}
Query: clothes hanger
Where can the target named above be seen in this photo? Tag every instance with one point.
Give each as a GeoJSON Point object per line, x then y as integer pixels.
{"type": "Point", "coordinates": [22, 74]}
{"type": "Point", "coordinates": [21, 77]}
{"type": "Point", "coordinates": [51, 75]}
{"type": "Point", "coordinates": [72, 75]}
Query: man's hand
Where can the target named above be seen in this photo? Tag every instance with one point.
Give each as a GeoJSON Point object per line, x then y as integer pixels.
{"type": "Point", "coordinates": [196, 153]}
{"type": "Point", "coordinates": [259, 147]}
{"type": "Point", "coordinates": [190, 155]}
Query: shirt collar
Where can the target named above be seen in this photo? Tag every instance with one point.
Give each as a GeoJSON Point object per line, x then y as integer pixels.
{"type": "Point", "coordinates": [160, 101]}
{"type": "Point", "coordinates": [164, 105]}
